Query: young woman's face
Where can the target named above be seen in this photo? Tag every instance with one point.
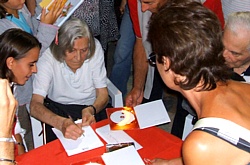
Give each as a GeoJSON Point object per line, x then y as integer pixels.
{"type": "Point", "coordinates": [75, 59]}
{"type": "Point", "coordinates": [23, 68]}
{"type": "Point", "coordinates": [13, 4]}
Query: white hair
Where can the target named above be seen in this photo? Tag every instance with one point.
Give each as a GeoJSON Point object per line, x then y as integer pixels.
{"type": "Point", "coordinates": [239, 21]}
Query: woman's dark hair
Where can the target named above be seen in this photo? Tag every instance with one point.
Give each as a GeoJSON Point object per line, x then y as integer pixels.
{"type": "Point", "coordinates": [14, 43]}
{"type": "Point", "coordinates": [190, 36]}
{"type": "Point", "coordinates": [2, 9]}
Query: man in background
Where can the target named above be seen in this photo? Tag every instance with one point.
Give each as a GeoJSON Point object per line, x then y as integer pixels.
{"type": "Point", "coordinates": [236, 40]}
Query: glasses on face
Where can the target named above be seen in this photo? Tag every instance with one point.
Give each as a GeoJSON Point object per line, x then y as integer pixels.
{"type": "Point", "coordinates": [152, 59]}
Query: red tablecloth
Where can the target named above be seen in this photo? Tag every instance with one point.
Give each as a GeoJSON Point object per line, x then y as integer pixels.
{"type": "Point", "coordinates": [155, 142]}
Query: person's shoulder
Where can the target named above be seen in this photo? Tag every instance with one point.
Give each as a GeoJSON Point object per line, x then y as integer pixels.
{"type": "Point", "coordinates": [203, 147]}
{"type": "Point", "coordinates": [198, 147]}
{"type": "Point", "coordinates": [47, 57]}
{"type": "Point", "coordinates": [6, 24]}
{"type": "Point", "coordinates": [98, 48]}
{"type": "Point", "coordinates": [97, 43]}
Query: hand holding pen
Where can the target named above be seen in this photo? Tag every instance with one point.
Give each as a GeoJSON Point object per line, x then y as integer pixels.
{"type": "Point", "coordinates": [71, 130]}
{"type": "Point", "coordinates": [74, 122]}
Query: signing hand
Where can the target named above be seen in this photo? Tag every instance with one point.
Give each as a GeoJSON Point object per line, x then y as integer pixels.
{"type": "Point", "coordinates": [71, 130]}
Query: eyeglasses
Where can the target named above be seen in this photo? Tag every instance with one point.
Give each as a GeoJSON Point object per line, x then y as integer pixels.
{"type": "Point", "coordinates": [152, 59]}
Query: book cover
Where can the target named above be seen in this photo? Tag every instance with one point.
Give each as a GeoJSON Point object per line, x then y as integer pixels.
{"type": "Point", "coordinates": [123, 118]}
{"type": "Point", "coordinates": [138, 117]}
{"type": "Point", "coordinates": [69, 7]}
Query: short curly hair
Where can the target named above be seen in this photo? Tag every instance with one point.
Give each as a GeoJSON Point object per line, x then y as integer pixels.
{"type": "Point", "coordinates": [190, 36]}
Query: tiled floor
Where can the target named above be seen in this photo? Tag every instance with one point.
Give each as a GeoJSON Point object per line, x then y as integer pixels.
{"type": "Point", "coordinates": [169, 98]}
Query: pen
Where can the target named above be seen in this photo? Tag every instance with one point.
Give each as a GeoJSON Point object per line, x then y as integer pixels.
{"type": "Point", "coordinates": [74, 122]}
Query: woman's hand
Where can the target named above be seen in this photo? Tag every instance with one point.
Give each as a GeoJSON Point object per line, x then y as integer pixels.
{"type": "Point", "coordinates": [71, 130]}
{"type": "Point", "coordinates": [55, 10]}
{"type": "Point", "coordinates": [158, 161]}
{"type": "Point", "coordinates": [7, 109]}
{"type": "Point", "coordinates": [87, 116]}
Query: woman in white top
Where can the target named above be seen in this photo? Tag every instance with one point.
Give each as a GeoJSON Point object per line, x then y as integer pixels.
{"type": "Point", "coordinates": [71, 79]}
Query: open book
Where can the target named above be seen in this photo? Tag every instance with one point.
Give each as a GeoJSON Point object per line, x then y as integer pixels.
{"type": "Point", "coordinates": [69, 7]}
{"type": "Point", "coordinates": [140, 116]}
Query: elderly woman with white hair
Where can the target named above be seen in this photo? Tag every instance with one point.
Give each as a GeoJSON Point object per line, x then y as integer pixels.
{"type": "Point", "coordinates": [71, 82]}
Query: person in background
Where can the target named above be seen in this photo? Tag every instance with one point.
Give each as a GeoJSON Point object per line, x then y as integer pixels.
{"type": "Point", "coordinates": [143, 77]}
{"type": "Point", "coordinates": [198, 71]}
{"type": "Point", "coordinates": [121, 69]}
{"type": "Point", "coordinates": [71, 83]}
{"type": "Point", "coordinates": [147, 84]}
{"type": "Point", "coordinates": [236, 40]}
{"type": "Point", "coordinates": [8, 106]}
{"type": "Point", "coordinates": [231, 6]}
{"type": "Point", "coordinates": [101, 19]}
{"type": "Point", "coordinates": [19, 52]}
{"type": "Point", "coordinates": [14, 14]}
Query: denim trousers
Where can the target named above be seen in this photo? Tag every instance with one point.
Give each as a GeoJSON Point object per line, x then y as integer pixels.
{"type": "Point", "coordinates": [121, 69]}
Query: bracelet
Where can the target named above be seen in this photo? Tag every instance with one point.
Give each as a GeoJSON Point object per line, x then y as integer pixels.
{"type": "Point", "coordinates": [93, 108]}
{"type": "Point", "coordinates": [8, 160]}
{"type": "Point", "coordinates": [11, 140]}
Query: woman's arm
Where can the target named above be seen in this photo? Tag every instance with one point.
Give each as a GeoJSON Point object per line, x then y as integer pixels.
{"type": "Point", "coordinates": [65, 125]}
{"type": "Point", "coordinates": [99, 104]}
{"type": "Point", "coordinates": [7, 112]}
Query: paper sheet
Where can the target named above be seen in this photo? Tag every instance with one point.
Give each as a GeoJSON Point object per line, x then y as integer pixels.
{"type": "Point", "coordinates": [113, 137]}
{"type": "Point", "coordinates": [151, 114]}
{"type": "Point", "coordinates": [124, 156]}
{"type": "Point", "coordinates": [84, 143]}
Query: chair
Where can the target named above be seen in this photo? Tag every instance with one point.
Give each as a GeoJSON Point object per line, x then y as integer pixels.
{"type": "Point", "coordinates": [37, 129]}
{"type": "Point", "coordinates": [188, 126]}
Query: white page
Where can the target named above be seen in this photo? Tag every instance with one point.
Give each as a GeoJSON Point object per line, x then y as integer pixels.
{"type": "Point", "coordinates": [114, 137]}
{"type": "Point", "coordinates": [84, 143]}
{"type": "Point", "coordinates": [123, 156]}
{"type": "Point", "coordinates": [151, 114]}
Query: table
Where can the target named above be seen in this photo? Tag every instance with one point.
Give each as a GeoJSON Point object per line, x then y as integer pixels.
{"type": "Point", "coordinates": [156, 143]}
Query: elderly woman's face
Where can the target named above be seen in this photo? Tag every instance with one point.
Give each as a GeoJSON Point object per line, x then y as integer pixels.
{"type": "Point", "coordinates": [77, 56]}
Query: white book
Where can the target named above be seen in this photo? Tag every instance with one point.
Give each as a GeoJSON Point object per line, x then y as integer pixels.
{"type": "Point", "coordinates": [87, 142]}
{"type": "Point", "coordinates": [69, 7]}
{"type": "Point", "coordinates": [123, 156]}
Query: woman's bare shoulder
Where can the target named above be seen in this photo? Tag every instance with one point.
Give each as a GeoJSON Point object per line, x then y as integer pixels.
{"type": "Point", "coordinates": [202, 147]}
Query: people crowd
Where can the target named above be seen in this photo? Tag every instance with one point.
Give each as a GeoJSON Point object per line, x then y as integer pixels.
{"type": "Point", "coordinates": [201, 49]}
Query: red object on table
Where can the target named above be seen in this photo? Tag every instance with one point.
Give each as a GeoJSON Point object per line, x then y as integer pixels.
{"type": "Point", "coordinates": [156, 143]}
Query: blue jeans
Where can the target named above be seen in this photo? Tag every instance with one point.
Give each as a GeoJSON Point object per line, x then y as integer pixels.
{"type": "Point", "coordinates": [123, 54]}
